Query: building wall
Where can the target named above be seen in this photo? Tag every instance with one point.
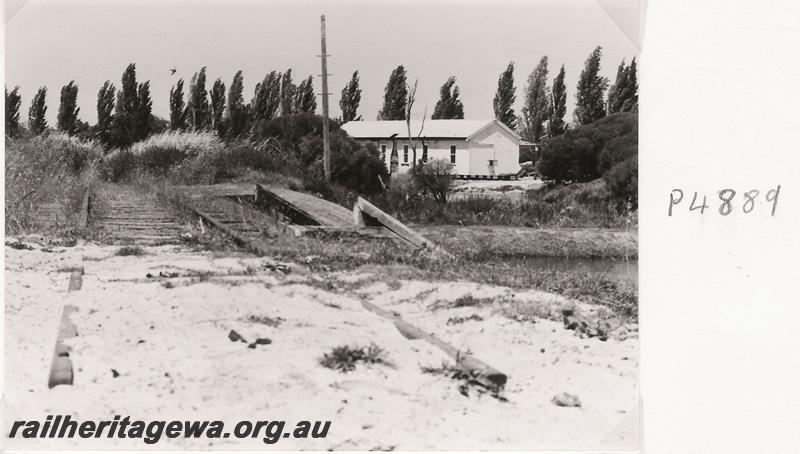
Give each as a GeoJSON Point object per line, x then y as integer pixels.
{"type": "Point", "coordinates": [472, 158]}
{"type": "Point", "coordinates": [506, 150]}
{"type": "Point", "coordinates": [437, 149]}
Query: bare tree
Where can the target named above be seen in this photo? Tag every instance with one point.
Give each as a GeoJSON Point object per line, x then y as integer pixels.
{"type": "Point", "coordinates": [410, 98]}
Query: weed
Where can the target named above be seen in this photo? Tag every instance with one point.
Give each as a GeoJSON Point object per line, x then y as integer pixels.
{"type": "Point", "coordinates": [457, 320]}
{"type": "Point", "coordinates": [345, 358]}
{"type": "Point", "coordinates": [264, 320]}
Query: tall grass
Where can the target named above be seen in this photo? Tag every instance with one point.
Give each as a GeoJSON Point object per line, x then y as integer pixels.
{"type": "Point", "coordinates": [50, 168]}
{"type": "Point", "coordinates": [160, 154]}
{"type": "Point", "coordinates": [578, 205]}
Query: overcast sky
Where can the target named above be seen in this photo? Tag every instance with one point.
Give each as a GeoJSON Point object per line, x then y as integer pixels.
{"type": "Point", "coordinates": [50, 42]}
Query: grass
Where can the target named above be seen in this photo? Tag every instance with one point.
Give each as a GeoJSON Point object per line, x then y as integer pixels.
{"type": "Point", "coordinates": [578, 205]}
{"type": "Point", "coordinates": [48, 172]}
{"type": "Point", "coordinates": [345, 358]}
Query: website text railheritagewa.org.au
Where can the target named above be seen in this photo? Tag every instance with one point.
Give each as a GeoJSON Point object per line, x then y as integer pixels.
{"type": "Point", "coordinates": [63, 426]}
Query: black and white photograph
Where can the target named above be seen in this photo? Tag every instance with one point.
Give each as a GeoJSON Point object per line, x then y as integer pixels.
{"type": "Point", "coordinates": [313, 225]}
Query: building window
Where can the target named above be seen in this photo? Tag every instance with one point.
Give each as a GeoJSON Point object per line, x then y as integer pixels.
{"type": "Point", "coordinates": [405, 153]}
{"type": "Point", "coordinates": [424, 152]}
{"type": "Point", "coordinates": [452, 154]}
{"type": "Point", "coordinates": [383, 152]}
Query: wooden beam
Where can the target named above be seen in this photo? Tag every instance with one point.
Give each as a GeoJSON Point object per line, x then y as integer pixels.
{"type": "Point", "coordinates": [477, 370]}
{"type": "Point", "coordinates": [398, 227]}
{"type": "Point", "coordinates": [61, 370]}
{"type": "Point", "coordinates": [292, 211]}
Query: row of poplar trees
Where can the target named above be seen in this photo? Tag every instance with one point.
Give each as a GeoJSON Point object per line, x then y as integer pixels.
{"type": "Point", "coordinates": [125, 115]}
{"type": "Point", "coordinates": [545, 106]}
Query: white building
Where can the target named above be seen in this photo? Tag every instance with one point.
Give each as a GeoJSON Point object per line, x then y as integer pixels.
{"type": "Point", "coordinates": [476, 148]}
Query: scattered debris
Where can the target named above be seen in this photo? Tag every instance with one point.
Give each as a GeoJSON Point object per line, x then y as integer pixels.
{"type": "Point", "coordinates": [236, 337]}
{"type": "Point", "coordinates": [468, 381]}
{"type": "Point", "coordinates": [264, 320]}
{"type": "Point", "coordinates": [345, 358]}
{"type": "Point", "coordinates": [457, 320]}
{"type": "Point", "coordinates": [566, 400]}
{"type": "Point", "coordinates": [276, 266]}
{"type": "Point", "coordinates": [582, 325]}
{"type": "Point", "coordinates": [260, 341]}
{"type": "Point", "coordinates": [19, 245]}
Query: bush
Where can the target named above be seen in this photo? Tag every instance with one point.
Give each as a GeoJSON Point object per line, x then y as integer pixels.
{"type": "Point", "coordinates": [353, 166]}
{"type": "Point", "coordinates": [434, 178]}
{"type": "Point", "coordinates": [291, 128]}
{"type": "Point", "coordinates": [117, 165]}
{"type": "Point", "coordinates": [586, 152]}
{"type": "Point", "coordinates": [623, 181]}
{"type": "Point", "coordinates": [607, 148]}
{"type": "Point", "coordinates": [240, 158]}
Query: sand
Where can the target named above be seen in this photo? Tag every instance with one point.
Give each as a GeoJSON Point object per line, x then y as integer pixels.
{"type": "Point", "coordinates": [169, 345]}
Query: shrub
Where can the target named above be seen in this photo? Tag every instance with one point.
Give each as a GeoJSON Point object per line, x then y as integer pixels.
{"type": "Point", "coordinates": [586, 152]}
{"type": "Point", "coordinates": [239, 158]}
{"type": "Point", "coordinates": [353, 166]}
{"type": "Point", "coordinates": [623, 181]}
{"type": "Point", "coordinates": [290, 128]}
{"type": "Point", "coordinates": [117, 165]}
{"type": "Point", "coordinates": [434, 178]}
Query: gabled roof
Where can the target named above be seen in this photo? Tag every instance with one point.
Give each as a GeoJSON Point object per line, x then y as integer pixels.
{"type": "Point", "coordinates": [432, 129]}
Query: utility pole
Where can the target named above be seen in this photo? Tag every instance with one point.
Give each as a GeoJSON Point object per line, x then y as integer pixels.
{"type": "Point", "coordinates": [326, 145]}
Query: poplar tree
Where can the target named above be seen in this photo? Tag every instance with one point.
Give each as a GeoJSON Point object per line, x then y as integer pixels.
{"type": "Point", "coordinates": [449, 105]}
{"type": "Point", "coordinates": [630, 94]}
{"type": "Point", "coordinates": [144, 110]}
{"type": "Point", "coordinates": [351, 98]}
{"type": "Point", "coordinates": [237, 110]}
{"type": "Point", "coordinates": [177, 107]}
{"type": "Point", "coordinates": [37, 122]}
{"type": "Point", "coordinates": [267, 97]}
{"type": "Point", "coordinates": [288, 93]}
{"type": "Point", "coordinates": [395, 96]}
{"type": "Point", "coordinates": [198, 114]}
{"type": "Point", "coordinates": [590, 95]}
{"type": "Point", "coordinates": [67, 119]}
{"type": "Point", "coordinates": [305, 99]}
{"type": "Point", "coordinates": [616, 91]}
{"type": "Point", "coordinates": [13, 102]}
{"type": "Point", "coordinates": [536, 110]}
{"type": "Point", "coordinates": [124, 126]}
{"type": "Point", "coordinates": [558, 110]}
{"type": "Point", "coordinates": [105, 112]}
{"type": "Point", "coordinates": [218, 107]}
{"type": "Point", "coordinates": [505, 97]}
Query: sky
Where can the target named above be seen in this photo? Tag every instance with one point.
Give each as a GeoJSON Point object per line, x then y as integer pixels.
{"type": "Point", "coordinates": [51, 42]}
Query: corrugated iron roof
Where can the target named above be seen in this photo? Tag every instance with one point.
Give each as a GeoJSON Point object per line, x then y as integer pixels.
{"type": "Point", "coordinates": [451, 129]}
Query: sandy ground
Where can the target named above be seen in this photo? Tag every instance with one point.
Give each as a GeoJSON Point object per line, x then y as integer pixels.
{"type": "Point", "coordinates": [509, 189]}
{"type": "Point", "coordinates": [169, 344]}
